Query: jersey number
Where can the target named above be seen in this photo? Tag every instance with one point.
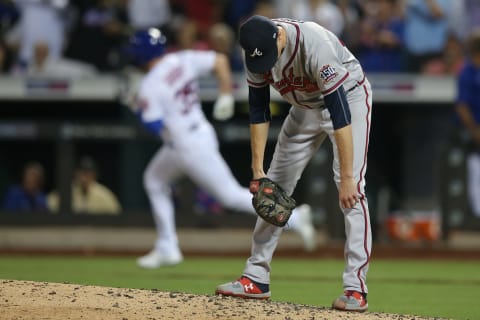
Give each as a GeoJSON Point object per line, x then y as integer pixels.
{"type": "Point", "coordinates": [187, 96]}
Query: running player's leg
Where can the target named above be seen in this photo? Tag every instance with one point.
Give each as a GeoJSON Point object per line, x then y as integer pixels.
{"type": "Point", "coordinates": [210, 172]}
{"type": "Point", "coordinates": [299, 138]}
{"type": "Point", "coordinates": [158, 176]}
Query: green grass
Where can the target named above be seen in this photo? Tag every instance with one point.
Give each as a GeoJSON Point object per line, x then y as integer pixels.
{"type": "Point", "coordinates": [427, 288]}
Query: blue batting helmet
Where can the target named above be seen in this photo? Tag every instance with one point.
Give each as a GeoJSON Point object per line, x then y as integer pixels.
{"type": "Point", "coordinates": [145, 45]}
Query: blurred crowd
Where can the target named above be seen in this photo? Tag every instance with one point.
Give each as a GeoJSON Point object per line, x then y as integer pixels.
{"type": "Point", "coordinates": [88, 195]}
{"type": "Point", "coordinates": [84, 37]}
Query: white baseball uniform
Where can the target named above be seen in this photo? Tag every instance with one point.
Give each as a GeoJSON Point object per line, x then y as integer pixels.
{"type": "Point", "coordinates": [314, 64]}
{"type": "Point", "coordinates": [169, 93]}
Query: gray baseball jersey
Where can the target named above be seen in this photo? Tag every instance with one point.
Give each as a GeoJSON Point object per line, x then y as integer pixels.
{"type": "Point", "coordinates": [313, 64]}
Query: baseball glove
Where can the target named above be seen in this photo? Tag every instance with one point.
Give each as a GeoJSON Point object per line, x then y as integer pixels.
{"type": "Point", "coordinates": [271, 202]}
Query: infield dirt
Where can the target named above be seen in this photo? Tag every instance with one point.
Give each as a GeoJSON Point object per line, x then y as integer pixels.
{"type": "Point", "coordinates": [21, 300]}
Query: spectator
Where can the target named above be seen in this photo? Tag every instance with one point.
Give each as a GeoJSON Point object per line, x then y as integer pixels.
{"type": "Point", "coordinates": [204, 13]}
{"type": "Point", "coordinates": [88, 195]}
{"type": "Point", "coordinates": [381, 39]}
{"type": "Point", "coordinates": [222, 39]}
{"type": "Point", "coordinates": [40, 21]}
{"type": "Point", "coordinates": [282, 8]}
{"type": "Point", "coordinates": [426, 31]}
{"type": "Point", "coordinates": [8, 16]}
{"type": "Point", "coordinates": [143, 14]}
{"type": "Point", "coordinates": [454, 55]}
{"type": "Point", "coordinates": [351, 16]}
{"type": "Point", "coordinates": [467, 109]}
{"type": "Point", "coordinates": [451, 60]}
{"type": "Point", "coordinates": [464, 18]}
{"type": "Point", "coordinates": [265, 8]}
{"type": "Point", "coordinates": [472, 10]}
{"type": "Point", "coordinates": [236, 11]}
{"type": "Point", "coordinates": [42, 65]}
{"type": "Point", "coordinates": [28, 195]}
{"type": "Point", "coordinates": [187, 36]}
{"type": "Point", "coordinates": [98, 35]}
{"type": "Point", "coordinates": [5, 58]}
{"type": "Point", "coordinates": [458, 20]}
{"type": "Point", "coordinates": [323, 12]}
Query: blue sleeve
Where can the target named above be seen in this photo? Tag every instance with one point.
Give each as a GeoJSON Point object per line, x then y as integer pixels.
{"type": "Point", "coordinates": [42, 202]}
{"type": "Point", "coordinates": [154, 127]}
{"type": "Point", "coordinates": [11, 200]}
{"type": "Point", "coordinates": [464, 88]}
{"type": "Point", "coordinates": [259, 101]}
{"type": "Point", "coordinates": [398, 28]}
{"type": "Point", "coordinates": [7, 202]}
{"type": "Point", "coordinates": [337, 104]}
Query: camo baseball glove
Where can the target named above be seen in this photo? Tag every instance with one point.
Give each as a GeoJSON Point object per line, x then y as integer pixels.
{"type": "Point", "coordinates": [271, 202]}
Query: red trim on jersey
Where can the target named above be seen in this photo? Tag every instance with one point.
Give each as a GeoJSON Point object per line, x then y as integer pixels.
{"type": "Point", "coordinates": [257, 84]}
{"type": "Point", "coordinates": [362, 198]}
{"type": "Point", "coordinates": [339, 83]}
{"type": "Point", "coordinates": [287, 89]}
{"type": "Point", "coordinates": [292, 57]}
{"type": "Point", "coordinates": [292, 89]}
{"type": "Point", "coordinates": [360, 83]}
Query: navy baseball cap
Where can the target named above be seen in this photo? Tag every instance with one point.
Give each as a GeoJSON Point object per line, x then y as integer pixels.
{"type": "Point", "coordinates": [258, 37]}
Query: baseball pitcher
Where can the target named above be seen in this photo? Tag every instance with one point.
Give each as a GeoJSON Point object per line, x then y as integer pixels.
{"type": "Point", "coordinates": [331, 98]}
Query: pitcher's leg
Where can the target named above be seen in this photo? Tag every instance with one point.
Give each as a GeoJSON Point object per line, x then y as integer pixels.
{"type": "Point", "coordinates": [211, 172]}
{"type": "Point", "coordinates": [299, 138]}
{"type": "Point", "coordinates": [357, 247]}
{"type": "Point", "coordinates": [358, 242]}
{"type": "Point", "coordinates": [473, 182]}
{"type": "Point", "coordinates": [264, 241]}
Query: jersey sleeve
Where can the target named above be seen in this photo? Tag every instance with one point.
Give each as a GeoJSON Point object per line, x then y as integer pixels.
{"type": "Point", "coordinates": [201, 62]}
{"type": "Point", "coordinates": [325, 64]}
{"type": "Point", "coordinates": [256, 80]}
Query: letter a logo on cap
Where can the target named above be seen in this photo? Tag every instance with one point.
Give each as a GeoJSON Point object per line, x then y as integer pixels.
{"type": "Point", "coordinates": [256, 52]}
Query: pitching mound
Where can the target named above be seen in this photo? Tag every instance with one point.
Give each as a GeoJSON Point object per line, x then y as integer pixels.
{"type": "Point", "coordinates": [41, 300]}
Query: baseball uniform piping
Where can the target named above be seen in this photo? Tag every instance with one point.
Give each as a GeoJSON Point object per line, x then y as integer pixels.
{"type": "Point", "coordinates": [257, 84]}
{"type": "Point", "coordinates": [362, 199]}
{"type": "Point", "coordinates": [336, 85]}
{"type": "Point", "coordinates": [297, 42]}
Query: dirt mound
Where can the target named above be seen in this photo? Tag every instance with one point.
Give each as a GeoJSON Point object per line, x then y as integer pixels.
{"type": "Point", "coordinates": [59, 301]}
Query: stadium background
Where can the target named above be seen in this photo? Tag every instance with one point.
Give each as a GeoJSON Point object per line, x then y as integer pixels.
{"type": "Point", "coordinates": [415, 161]}
{"type": "Point", "coordinates": [408, 165]}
